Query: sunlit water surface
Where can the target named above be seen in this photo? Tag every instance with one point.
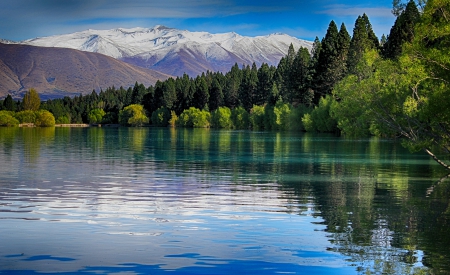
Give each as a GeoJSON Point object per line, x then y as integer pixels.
{"type": "Point", "coordinates": [199, 201]}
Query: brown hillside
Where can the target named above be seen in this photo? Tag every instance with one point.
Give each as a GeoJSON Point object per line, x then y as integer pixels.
{"type": "Point", "coordinates": [56, 72]}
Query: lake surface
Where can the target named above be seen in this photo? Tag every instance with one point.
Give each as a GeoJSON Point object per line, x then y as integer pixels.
{"type": "Point", "coordinates": [199, 201]}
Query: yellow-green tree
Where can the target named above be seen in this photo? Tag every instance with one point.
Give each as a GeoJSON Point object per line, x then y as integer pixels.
{"type": "Point", "coordinates": [31, 100]}
{"type": "Point", "coordinates": [133, 115]}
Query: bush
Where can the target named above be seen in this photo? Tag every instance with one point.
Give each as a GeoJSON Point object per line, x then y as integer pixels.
{"type": "Point", "coordinates": [221, 118]}
{"type": "Point", "coordinates": [257, 114]}
{"type": "Point", "coordinates": [96, 116]}
{"type": "Point", "coordinates": [161, 117]}
{"type": "Point", "coordinates": [65, 119]}
{"type": "Point", "coordinates": [320, 118]}
{"type": "Point", "coordinates": [7, 119]}
{"type": "Point", "coordinates": [44, 119]}
{"type": "Point", "coordinates": [194, 117]}
{"type": "Point", "coordinates": [240, 118]}
{"type": "Point", "coordinates": [133, 115]}
{"type": "Point", "coordinates": [27, 116]}
{"type": "Point", "coordinates": [296, 116]}
{"type": "Point", "coordinates": [282, 112]}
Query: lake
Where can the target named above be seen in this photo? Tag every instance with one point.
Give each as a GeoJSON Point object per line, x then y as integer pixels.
{"type": "Point", "coordinates": [203, 201]}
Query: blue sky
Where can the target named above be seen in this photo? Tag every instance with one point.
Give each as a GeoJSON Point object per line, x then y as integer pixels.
{"type": "Point", "coordinates": [24, 19]}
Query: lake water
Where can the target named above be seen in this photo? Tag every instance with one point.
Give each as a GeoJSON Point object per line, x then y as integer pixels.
{"type": "Point", "coordinates": [199, 201]}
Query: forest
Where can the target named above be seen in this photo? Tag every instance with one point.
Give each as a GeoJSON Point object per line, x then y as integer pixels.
{"type": "Point", "coordinates": [357, 85]}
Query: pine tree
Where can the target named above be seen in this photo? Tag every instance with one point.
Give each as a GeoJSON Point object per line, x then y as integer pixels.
{"type": "Point", "coordinates": [216, 95]}
{"type": "Point", "coordinates": [402, 31]}
{"type": "Point", "coordinates": [325, 74]}
{"type": "Point", "coordinates": [265, 75]}
{"type": "Point", "coordinates": [248, 87]}
{"type": "Point", "coordinates": [201, 96]}
{"type": "Point", "coordinates": [363, 39]}
{"type": "Point", "coordinates": [9, 104]}
{"type": "Point", "coordinates": [300, 75]}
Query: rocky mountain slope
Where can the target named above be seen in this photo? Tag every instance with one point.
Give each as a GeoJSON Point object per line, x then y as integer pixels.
{"type": "Point", "coordinates": [55, 72]}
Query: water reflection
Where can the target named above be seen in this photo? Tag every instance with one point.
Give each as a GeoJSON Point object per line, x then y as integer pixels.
{"type": "Point", "coordinates": [197, 198]}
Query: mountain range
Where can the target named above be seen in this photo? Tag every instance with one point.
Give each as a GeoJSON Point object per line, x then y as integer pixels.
{"type": "Point", "coordinates": [93, 59]}
{"type": "Point", "coordinates": [174, 51]}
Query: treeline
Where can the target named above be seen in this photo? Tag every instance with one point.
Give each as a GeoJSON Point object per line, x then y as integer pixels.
{"type": "Point", "coordinates": [296, 94]}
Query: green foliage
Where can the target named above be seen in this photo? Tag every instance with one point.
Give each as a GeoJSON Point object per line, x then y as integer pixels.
{"type": "Point", "coordinates": [133, 115]}
{"type": "Point", "coordinates": [63, 120]}
{"type": "Point", "coordinates": [31, 100]}
{"type": "Point", "coordinates": [320, 118]}
{"type": "Point", "coordinates": [257, 114]}
{"type": "Point", "coordinates": [161, 117]}
{"type": "Point", "coordinates": [363, 40]}
{"type": "Point", "coordinates": [44, 119]}
{"type": "Point", "coordinates": [173, 119]}
{"type": "Point", "coordinates": [403, 30]}
{"type": "Point", "coordinates": [27, 116]}
{"type": "Point", "coordinates": [7, 119]}
{"type": "Point", "coordinates": [240, 118]}
{"type": "Point", "coordinates": [282, 113]}
{"type": "Point", "coordinates": [9, 104]}
{"type": "Point", "coordinates": [296, 115]}
{"type": "Point", "coordinates": [221, 118]}
{"type": "Point", "coordinates": [96, 116]}
{"type": "Point", "coordinates": [194, 117]}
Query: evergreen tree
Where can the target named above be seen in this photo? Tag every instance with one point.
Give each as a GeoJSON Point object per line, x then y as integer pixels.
{"type": "Point", "coordinates": [169, 95]}
{"type": "Point", "coordinates": [9, 104]}
{"type": "Point", "coordinates": [363, 39]}
{"type": "Point", "coordinates": [327, 69]}
{"type": "Point", "coordinates": [402, 31]}
{"type": "Point", "coordinates": [265, 75]}
{"type": "Point", "coordinates": [248, 87]}
{"type": "Point", "coordinates": [216, 95]}
{"type": "Point", "coordinates": [233, 81]}
{"type": "Point", "coordinates": [138, 93]}
{"type": "Point", "coordinates": [300, 75]}
{"type": "Point", "coordinates": [201, 96]}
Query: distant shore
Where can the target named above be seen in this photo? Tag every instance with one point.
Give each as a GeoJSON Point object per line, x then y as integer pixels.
{"type": "Point", "coordinates": [78, 125]}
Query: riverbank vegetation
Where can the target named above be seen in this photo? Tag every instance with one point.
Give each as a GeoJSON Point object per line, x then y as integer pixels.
{"type": "Point", "coordinates": [396, 86]}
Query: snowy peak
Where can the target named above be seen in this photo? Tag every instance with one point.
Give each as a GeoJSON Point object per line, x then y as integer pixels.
{"type": "Point", "coordinates": [195, 51]}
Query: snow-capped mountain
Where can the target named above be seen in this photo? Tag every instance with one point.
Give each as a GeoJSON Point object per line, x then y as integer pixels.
{"type": "Point", "coordinates": [174, 51]}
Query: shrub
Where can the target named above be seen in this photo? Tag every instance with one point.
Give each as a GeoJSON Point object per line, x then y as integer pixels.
{"type": "Point", "coordinates": [44, 119]}
{"type": "Point", "coordinates": [26, 116]}
{"type": "Point", "coordinates": [257, 117]}
{"type": "Point", "coordinates": [7, 119]}
{"type": "Point", "coordinates": [221, 118]}
{"type": "Point", "coordinates": [96, 116]}
{"type": "Point", "coordinates": [320, 118]}
{"type": "Point", "coordinates": [194, 117]}
{"type": "Point", "coordinates": [133, 115]}
{"type": "Point", "coordinates": [161, 117]}
{"type": "Point", "coordinates": [240, 118]}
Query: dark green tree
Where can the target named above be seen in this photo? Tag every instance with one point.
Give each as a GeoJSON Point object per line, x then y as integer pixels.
{"type": "Point", "coordinates": [216, 95]}
{"type": "Point", "coordinates": [9, 104]}
{"type": "Point", "coordinates": [327, 70]}
{"type": "Point", "coordinates": [363, 39]}
{"type": "Point", "coordinates": [265, 75]}
{"type": "Point", "coordinates": [402, 31]}
{"type": "Point", "coordinates": [201, 96]}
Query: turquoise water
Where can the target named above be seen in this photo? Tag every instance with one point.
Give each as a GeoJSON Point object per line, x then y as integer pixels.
{"type": "Point", "coordinates": [199, 201]}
